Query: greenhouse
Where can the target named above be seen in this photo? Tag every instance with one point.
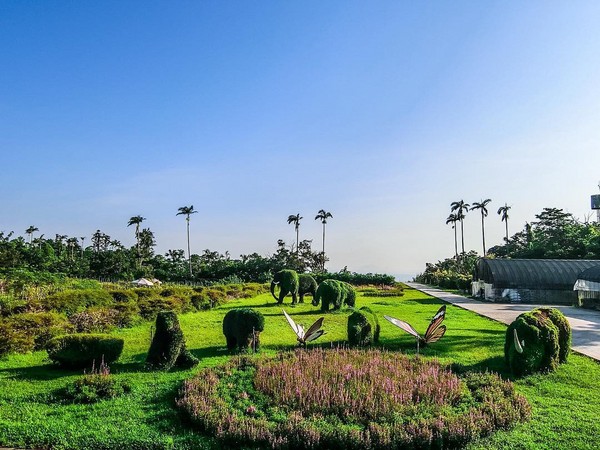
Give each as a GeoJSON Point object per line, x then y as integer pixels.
{"type": "Point", "coordinates": [588, 288]}
{"type": "Point", "coordinates": [545, 281]}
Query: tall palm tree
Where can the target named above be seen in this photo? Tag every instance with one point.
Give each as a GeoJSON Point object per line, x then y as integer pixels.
{"type": "Point", "coordinates": [482, 207]}
{"type": "Point", "coordinates": [187, 211]}
{"type": "Point", "coordinates": [323, 215]}
{"type": "Point", "coordinates": [136, 220]}
{"type": "Point", "coordinates": [30, 232]}
{"type": "Point", "coordinates": [503, 211]}
{"type": "Point", "coordinates": [295, 219]}
{"type": "Point", "coordinates": [461, 209]}
{"type": "Point", "coordinates": [453, 218]}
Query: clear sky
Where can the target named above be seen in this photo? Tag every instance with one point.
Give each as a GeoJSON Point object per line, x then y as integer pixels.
{"type": "Point", "coordinates": [382, 113]}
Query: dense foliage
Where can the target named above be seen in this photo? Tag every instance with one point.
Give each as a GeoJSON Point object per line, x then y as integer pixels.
{"type": "Point", "coordinates": [334, 294]}
{"type": "Point", "coordinates": [308, 285]}
{"type": "Point", "coordinates": [95, 386]}
{"type": "Point", "coordinates": [451, 273]}
{"type": "Point", "coordinates": [545, 338]}
{"type": "Point", "coordinates": [355, 399]}
{"type": "Point", "coordinates": [76, 351]}
{"type": "Point", "coordinates": [168, 348]}
{"type": "Point", "coordinates": [363, 327]}
{"type": "Point", "coordinates": [288, 282]}
{"type": "Point", "coordinates": [242, 327]}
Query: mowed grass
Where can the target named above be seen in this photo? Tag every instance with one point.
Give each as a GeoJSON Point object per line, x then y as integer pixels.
{"type": "Point", "coordinates": [566, 404]}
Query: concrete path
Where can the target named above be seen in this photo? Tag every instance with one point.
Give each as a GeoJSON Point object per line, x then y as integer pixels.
{"type": "Point", "coordinates": [585, 323]}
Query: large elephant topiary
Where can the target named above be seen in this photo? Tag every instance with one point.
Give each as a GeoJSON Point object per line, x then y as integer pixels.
{"type": "Point", "coordinates": [242, 327]}
{"type": "Point", "coordinates": [308, 285]}
{"type": "Point", "coordinates": [288, 282]}
{"type": "Point", "coordinates": [537, 341]}
{"type": "Point", "coordinates": [334, 293]}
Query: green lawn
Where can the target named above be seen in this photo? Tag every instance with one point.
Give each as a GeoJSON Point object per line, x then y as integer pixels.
{"type": "Point", "coordinates": [566, 404]}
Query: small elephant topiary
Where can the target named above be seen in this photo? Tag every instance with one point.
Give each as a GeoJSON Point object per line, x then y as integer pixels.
{"type": "Point", "coordinates": [334, 293]}
{"type": "Point", "coordinates": [308, 285]}
{"type": "Point", "coordinates": [168, 349]}
{"type": "Point", "coordinates": [537, 341]}
{"type": "Point", "coordinates": [363, 327]}
{"type": "Point", "coordinates": [242, 327]}
{"type": "Point", "coordinates": [288, 282]}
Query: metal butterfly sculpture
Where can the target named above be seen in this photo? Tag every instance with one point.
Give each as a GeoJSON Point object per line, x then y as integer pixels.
{"type": "Point", "coordinates": [313, 332]}
{"type": "Point", "coordinates": [518, 345]}
{"type": "Point", "coordinates": [434, 332]}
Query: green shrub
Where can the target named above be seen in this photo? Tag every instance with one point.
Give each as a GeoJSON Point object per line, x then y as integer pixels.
{"type": "Point", "coordinates": [207, 298]}
{"type": "Point", "coordinates": [307, 285]}
{"type": "Point", "coordinates": [288, 282]}
{"type": "Point", "coordinates": [545, 337]}
{"type": "Point", "coordinates": [150, 306]}
{"type": "Point", "coordinates": [72, 300]}
{"type": "Point", "coordinates": [123, 295]}
{"type": "Point", "coordinates": [363, 327]}
{"type": "Point", "coordinates": [334, 293]}
{"type": "Point", "coordinates": [168, 349]}
{"type": "Point", "coordinates": [10, 304]}
{"type": "Point", "coordinates": [26, 332]}
{"type": "Point", "coordinates": [82, 350]}
{"type": "Point", "coordinates": [95, 386]}
{"type": "Point", "coordinates": [242, 327]}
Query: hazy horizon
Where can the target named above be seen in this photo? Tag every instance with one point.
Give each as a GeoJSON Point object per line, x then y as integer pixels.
{"type": "Point", "coordinates": [381, 113]}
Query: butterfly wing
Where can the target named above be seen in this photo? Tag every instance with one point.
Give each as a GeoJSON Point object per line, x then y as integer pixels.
{"type": "Point", "coordinates": [436, 335]}
{"type": "Point", "coordinates": [315, 335]}
{"type": "Point", "coordinates": [435, 324]}
{"type": "Point", "coordinates": [518, 346]}
{"type": "Point", "coordinates": [314, 327]}
{"type": "Point", "coordinates": [404, 325]}
{"type": "Point", "coordinates": [297, 329]}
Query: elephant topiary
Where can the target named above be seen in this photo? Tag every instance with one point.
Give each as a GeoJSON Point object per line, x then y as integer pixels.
{"type": "Point", "coordinates": [334, 293]}
{"type": "Point", "coordinates": [363, 327]}
{"type": "Point", "coordinates": [168, 349]}
{"type": "Point", "coordinates": [537, 341]}
{"type": "Point", "coordinates": [308, 285]}
{"type": "Point", "coordinates": [242, 327]}
{"type": "Point", "coordinates": [288, 282]}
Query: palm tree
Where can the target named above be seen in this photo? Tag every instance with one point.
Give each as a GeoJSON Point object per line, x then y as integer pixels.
{"type": "Point", "coordinates": [453, 218]}
{"type": "Point", "coordinates": [461, 208]}
{"type": "Point", "coordinates": [323, 215]}
{"type": "Point", "coordinates": [481, 206]}
{"type": "Point", "coordinates": [136, 220]}
{"type": "Point", "coordinates": [503, 211]}
{"type": "Point", "coordinates": [30, 232]}
{"type": "Point", "coordinates": [295, 219]}
{"type": "Point", "coordinates": [187, 211]}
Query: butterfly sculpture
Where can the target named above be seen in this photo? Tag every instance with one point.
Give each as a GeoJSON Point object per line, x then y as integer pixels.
{"type": "Point", "coordinates": [313, 332]}
{"type": "Point", "coordinates": [434, 332]}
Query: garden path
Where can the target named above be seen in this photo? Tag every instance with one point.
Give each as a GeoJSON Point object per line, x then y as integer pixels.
{"type": "Point", "coordinates": [585, 323]}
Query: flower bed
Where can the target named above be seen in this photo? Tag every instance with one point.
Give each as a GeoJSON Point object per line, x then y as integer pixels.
{"type": "Point", "coordinates": [348, 399]}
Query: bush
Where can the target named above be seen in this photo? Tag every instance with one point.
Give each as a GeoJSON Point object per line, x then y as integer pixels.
{"type": "Point", "coordinates": [150, 306]}
{"type": "Point", "coordinates": [545, 335]}
{"type": "Point", "coordinates": [355, 399]}
{"type": "Point", "coordinates": [26, 332]}
{"type": "Point", "coordinates": [73, 300]}
{"type": "Point", "coordinates": [242, 327]}
{"type": "Point", "coordinates": [307, 285]}
{"type": "Point", "coordinates": [363, 327]}
{"type": "Point", "coordinates": [357, 279]}
{"type": "Point", "coordinates": [82, 350]}
{"type": "Point", "coordinates": [123, 295]}
{"type": "Point", "coordinates": [207, 298]}
{"type": "Point", "coordinates": [168, 349]}
{"type": "Point", "coordinates": [334, 293]}
{"type": "Point", "coordinates": [395, 291]}
{"type": "Point", "coordinates": [95, 386]}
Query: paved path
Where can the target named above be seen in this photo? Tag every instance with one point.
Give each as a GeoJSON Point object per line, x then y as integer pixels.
{"type": "Point", "coordinates": [585, 323]}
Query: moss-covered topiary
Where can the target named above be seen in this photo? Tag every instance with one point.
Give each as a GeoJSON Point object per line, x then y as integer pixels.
{"type": "Point", "coordinates": [363, 327]}
{"type": "Point", "coordinates": [82, 350]}
{"type": "Point", "coordinates": [544, 338]}
{"type": "Point", "coordinates": [288, 282]}
{"type": "Point", "coordinates": [307, 285]}
{"type": "Point", "coordinates": [242, 327]}
{"type": "Point", "coordinates": [334, 293]}
{"type": "Point", "coordinates": [168, 349]}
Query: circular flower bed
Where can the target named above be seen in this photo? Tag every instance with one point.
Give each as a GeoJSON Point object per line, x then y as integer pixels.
{"type": "Point", "coordinates": [348, 399]}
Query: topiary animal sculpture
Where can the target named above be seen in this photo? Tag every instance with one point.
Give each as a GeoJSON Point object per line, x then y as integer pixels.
{"type": "Point", "coordinates": [537, 341]}
{"type": "Point", "coordinates": [242, 327]}
{"type": "Point", "coordinates": [363, 327]}
{"type": "Point", "coordinates": [288, 282]}
{"type": "Point", "coordinates": [334, 293]}
{"type": "Point", "coordinates": [308, 285]}
{"type": "Point", "coordinates": [168, 349]}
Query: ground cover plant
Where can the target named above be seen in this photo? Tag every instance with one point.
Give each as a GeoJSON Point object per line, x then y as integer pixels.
{"type": "Point", "coordinates": [33, 413]}
{"type": "Point", "coordinates": [351, 399]}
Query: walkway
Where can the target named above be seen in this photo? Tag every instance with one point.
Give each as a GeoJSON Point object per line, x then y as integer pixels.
{"type": "Point", "coordinates": [585, 323]}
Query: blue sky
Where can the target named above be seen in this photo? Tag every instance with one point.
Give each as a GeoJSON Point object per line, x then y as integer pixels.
{"type": "Point", "coordinates": [381, 112]}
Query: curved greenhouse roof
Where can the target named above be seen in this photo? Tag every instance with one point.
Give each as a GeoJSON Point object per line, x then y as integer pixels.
{"type": "Point", "coordinates": [591, 274]}
{"type": "Point", "coordinates": [560, 274]}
